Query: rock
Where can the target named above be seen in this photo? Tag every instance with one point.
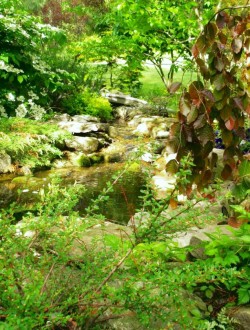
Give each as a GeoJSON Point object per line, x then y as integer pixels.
{"type": "Point", "coordinates": [241, 315]}
{"type": "Point", "coordinates": [147, 157]}
{"type": "Point", "coordinates": [114, 153]}
{"type": "Point", "coordinates": [122, 99]}
{"type": "Point", "coordinates": [163, 184]}
{"type": "Point", "coordinates": [60, 117]}
{"type": "Point", "coordinates": [160, 132]}
{"type": "Point", "coordinates": [140, 219]}
{"type": "Point", "coordinates": [195, 237]}
{"type": "Point", "coordinates": [83, 143]}
{"type": "Point", "coordinates": [85, 119]}
{"type": "Point", "coordinates": [5, 163]}
{"type": "Point", "coordinates": [24, 170]}
{"type": "Point", "coordinates": [128, 322]}
{"type": "Point", "coordinates": [144, 129]}
{"type": "Point", "coordinates": [82, 128]}
{"type": "Point", "coordinates": [112, 132]}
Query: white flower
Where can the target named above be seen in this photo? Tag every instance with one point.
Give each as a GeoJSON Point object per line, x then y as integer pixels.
{"type": "Point", "coordinates": [36, 111]}
{"type": "Point", "coordinates": [20, 98]}
{"type": "Point", "coordinates": [10, 97]}
{"type": "Point", "coordinates": [3, 112]}
{"type": "Point", "coordinates": [21, 111]}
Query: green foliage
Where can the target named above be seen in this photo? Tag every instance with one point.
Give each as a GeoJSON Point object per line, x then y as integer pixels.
{"type": "Point", "coordinates": [28, 83]}
{"type": "Point", "coordinates": [83, 102]}
{"type": "Point", "coordinates": [35, 148]}
{"type": "Point", "coordinates": [48, 261]}
{"type": "Point", "coordinates": [229, 251]}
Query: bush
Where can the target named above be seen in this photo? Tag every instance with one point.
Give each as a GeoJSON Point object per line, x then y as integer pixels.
{"type": "Point", "coordinates": [29, 85]}
{"type": "Point", "coordinates": [84, 102]}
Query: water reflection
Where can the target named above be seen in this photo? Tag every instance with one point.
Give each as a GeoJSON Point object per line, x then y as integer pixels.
{"type": "Point", "coordinates": [122, 202]}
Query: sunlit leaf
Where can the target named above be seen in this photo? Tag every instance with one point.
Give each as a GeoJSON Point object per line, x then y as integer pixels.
{"type": "Point", "coordinates": [193, 114]}
{"type": "Point", "coordinates": [172, 166]}
{"type": "Point", "coordinates": [184, 106]}
{"type": "Point", "coordinates": [244, 168]}
{"type": "Point", "coordinates": [174, 87]}
{"type": "Point", "coordinates": [230, 123]}
{"type": "Point", "coordinates": [173, 203]}
{"type": "Point", "coordinates": [237, 45]}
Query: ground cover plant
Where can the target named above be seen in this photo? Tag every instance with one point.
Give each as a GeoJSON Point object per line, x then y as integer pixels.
{"type": "Point", "coordinates": [31, 143]}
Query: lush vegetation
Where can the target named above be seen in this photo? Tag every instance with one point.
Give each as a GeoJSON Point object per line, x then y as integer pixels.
{"type": "Point", "coordinates": [52, 276]}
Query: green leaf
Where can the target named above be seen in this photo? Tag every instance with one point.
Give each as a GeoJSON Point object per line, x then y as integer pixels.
{"type": "Point", "coordinates": [172, 166]}
{"type": "Point", "coordinates": [219, 82]}
{"type": "Point", "coordinates": [244, 295]}
{"type": "Point", "coordinates": [244, 168]}
{"type": "Point", "coordinates": [209, 294]}
{"type": "Point", "coordinates": [246, 239]}
{"type": "Point", "coordinates": [20, 79]}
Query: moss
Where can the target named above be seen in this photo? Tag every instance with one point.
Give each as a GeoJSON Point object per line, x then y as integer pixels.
{"type": "Point", "coordinates": [84, 161]}
{"type": "Point", "coordinates": [96, 159]}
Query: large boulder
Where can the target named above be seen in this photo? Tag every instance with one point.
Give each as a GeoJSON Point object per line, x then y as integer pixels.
{"type": "Point", "coordinates": [241, 316]}
{"type": "Point", "coordinates": [83, 143]}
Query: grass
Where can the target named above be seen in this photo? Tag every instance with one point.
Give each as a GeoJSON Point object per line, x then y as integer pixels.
{"type": "Point", "coordinates": [153, 88]}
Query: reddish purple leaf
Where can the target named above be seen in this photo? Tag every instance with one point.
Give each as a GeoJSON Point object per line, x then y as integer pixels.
{"type": "Point", "coordinates": [174, 87]}
{"type": "Point", "coordinates": [230, 123]}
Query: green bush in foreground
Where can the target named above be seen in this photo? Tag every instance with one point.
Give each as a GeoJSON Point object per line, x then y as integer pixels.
{"type": "Point", "coordinates": [54, 277]}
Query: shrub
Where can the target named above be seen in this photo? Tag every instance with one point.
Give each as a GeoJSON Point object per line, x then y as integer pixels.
{"type": "Point", "coordinates": [84, 102]}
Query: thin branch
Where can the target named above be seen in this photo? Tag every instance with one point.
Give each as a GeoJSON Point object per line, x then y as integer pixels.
{"type": "Point", "coordinates": [228, 8]}
{"type": "Point", "coordinates": [46, 278]}
{"type": "Point", "coordinates": [113, 271]}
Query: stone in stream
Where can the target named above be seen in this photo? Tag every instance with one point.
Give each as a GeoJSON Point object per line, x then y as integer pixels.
{"type": "Point", "coordinates": [83, 143]}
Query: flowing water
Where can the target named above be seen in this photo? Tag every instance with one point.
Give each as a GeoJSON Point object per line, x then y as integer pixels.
{"type": "Point", "coordinates": [123, 199]}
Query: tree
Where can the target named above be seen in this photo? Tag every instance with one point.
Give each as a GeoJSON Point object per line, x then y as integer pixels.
{"type": "Point", "coordinates": [27, 80]}
{"type": "Point", "coordinates": [222, 95]}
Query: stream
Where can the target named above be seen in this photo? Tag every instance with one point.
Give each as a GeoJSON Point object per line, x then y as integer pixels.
{"type": "Point", "coordinates": [123, 199]}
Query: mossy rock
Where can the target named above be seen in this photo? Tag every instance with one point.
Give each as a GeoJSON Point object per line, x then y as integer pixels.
{"type": "Point", "coordinates": [134, 167]}
{"type": "Point", "coordinates": [96, 159]}
{"type": "Point", "coordinates": [84, 161]}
